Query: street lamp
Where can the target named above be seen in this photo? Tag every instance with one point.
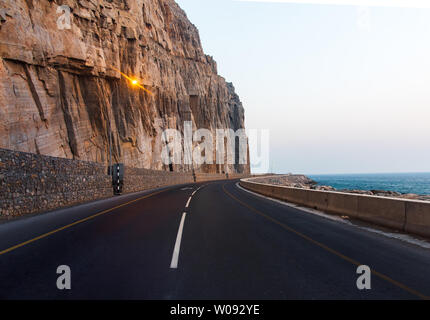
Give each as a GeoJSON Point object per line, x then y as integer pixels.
{"type": "Point", "coordinates": [110, 171]}
{"type": "Point", "coordinates": [134, 83]}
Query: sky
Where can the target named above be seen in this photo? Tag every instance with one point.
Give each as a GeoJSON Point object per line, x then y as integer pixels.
{"type": "Point", "coordinates": [342, 89]}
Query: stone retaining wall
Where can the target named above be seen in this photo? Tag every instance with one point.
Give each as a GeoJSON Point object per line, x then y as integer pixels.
{"type": "Point", "coordinates": [31, 183]}
{"type": "Point", "coordinates": [142, 179]}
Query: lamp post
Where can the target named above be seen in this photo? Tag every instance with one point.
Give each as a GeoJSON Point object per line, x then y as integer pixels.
{"type": "Point", "coordinates": [134, 83]}
{"type": "Point", "coordinates": [110, 133]}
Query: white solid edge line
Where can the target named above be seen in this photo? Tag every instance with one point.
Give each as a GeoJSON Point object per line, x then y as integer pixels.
{"type": "Point", "coordinates": [175, 256]}
{"type": "Point", "coordinates": [188, 202]}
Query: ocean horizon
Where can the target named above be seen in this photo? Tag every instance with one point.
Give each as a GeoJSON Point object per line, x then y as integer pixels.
{"type": "Point", "coordinates": [416, 182]}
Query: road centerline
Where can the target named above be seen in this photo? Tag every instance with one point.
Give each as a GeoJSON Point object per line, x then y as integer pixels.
{"type": "Point", "coordinates": [177, 248]}
{"type": "Point", "coordinates": [188, 202]}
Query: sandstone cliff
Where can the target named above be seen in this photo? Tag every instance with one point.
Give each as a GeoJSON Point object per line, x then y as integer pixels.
{"type": "Point", "coordinates": [60, 88]}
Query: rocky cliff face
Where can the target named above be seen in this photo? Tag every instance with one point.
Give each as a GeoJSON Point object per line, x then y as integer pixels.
{"type": "Point", "coordinates": [61, 89]}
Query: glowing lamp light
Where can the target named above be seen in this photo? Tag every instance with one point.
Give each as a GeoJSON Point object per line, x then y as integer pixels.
{"type": "Point", "coordinates": [133, 82]}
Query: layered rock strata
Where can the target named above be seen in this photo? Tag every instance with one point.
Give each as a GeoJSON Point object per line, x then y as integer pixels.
{"type": "Point", "coordinates": [62, 91]}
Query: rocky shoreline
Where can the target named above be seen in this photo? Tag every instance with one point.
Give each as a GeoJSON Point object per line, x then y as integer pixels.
{"type": "Point", "coordinates": [304, 182]}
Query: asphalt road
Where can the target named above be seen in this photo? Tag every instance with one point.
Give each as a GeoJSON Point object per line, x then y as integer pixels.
{"type": "Point", "coordinates": [230, 244]}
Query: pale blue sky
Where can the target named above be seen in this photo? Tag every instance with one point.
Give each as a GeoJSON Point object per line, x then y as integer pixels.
{"type": "Point", "coordinates": [337, 97]}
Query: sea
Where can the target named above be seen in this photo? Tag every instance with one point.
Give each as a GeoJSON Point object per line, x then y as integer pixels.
{"type": "Point", "coordinates": [418, 183]}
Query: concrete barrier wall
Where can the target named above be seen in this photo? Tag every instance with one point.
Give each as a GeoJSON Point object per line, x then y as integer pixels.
{"type": "Point", "coordinates": [418, 218]}
{"type": "Point", "coordinates": [31, 183]}
{"type": "Point", "coordinates": [404, 215]}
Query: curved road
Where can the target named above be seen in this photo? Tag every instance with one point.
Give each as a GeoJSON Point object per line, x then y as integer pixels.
{"type": "Point", "coordinates": [227, 244]}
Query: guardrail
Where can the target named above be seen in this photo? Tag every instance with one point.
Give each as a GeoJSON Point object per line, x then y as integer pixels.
{"type": "Point", "coordinates": [412, 216]}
